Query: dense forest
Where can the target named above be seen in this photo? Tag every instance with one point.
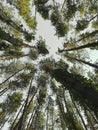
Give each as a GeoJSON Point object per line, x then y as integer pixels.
{"type": "Point", "coordinates": [37, 90]}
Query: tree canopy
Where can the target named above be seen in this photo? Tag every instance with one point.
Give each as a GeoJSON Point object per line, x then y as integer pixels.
{"type": "Point", "coordinates": [44, 90]}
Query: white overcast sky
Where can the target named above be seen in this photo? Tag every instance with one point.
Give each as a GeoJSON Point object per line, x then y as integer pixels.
{"type": "Point", "coordinates": [47, 31]}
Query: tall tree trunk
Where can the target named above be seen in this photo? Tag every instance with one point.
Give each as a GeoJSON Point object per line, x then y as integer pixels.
{"type": "Point", "coordinates": [53, 3]}
{"type": "Point", "coordinates": [12, 126]}
{"type": "Point", "coordinates": [72, 126]}
{"type": "Point", "coordinates": [88, 35]}
{"type": "Point", "coordinates": [93, 116]}
{"type": "Point", "coordinates": [89, 120]}
{"type": "Point", "coordinates": [82, 61]}
{"type": "Point", "coordinates": [9, 57]}
{"type": "Point", "coordinates": [30, 120]}
{"type": "Point", "coordinates": [62, 113]}
{"type": "Point", "coordinates": [8, 21]}
{"type": "Point", "coordinates": [14, 41]}
{"type": "Point", "coordinates": [93, 44]}
{"type": "Point", "coordinates": [47, 118]}
{"type": "Point", "coordinates": [93, 18]}
{"type": "Point", "coordinates": [3, 115]}
{"type": "Point", "coordinates": [19, 125]}
{"type": "Point", "coordinates": [78, 111]}
{"type": "Point", "coordinates": [5, 89]}
{"type": "Point", "coordinates": [6, 120]}
{"type": "Point", "coordinates": [11, 76]}
{"type": "Point", "coordinates": [62, 8]}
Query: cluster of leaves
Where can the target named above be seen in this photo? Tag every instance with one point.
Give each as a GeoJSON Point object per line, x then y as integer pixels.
{"type": "Point", "coordinates": [41, 45]}
{"type": "Point", "coordinates": [24, 10]}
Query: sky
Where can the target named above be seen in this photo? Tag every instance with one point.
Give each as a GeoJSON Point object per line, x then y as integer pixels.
{"type": "Point", "coordinates": [47, 31]}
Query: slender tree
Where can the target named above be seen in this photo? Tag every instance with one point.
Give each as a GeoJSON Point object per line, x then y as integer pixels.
{"type": "Point", "coordinates": [81, 61]}
{"type": "Point", "coordinates": [94, 44]}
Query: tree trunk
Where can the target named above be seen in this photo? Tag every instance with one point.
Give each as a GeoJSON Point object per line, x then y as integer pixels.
{"type": "Point", "coordinates": [90, 112]}
{"type": "Point", "coordinates": [93, 18]}
{"type": "Point", "coordinates": [12, 126]}
{"type": "Point", "coordinates": [37, 108]}
{"type": "Point", "coordinates": [9, 57]}
{"type": "Point", "coordinates": [61, 110]}
{"type": "Point", "coordinates": [8, 21]}
{"type": "Point", "coordinates": [89, 120]}
{"type": "Point", "coordinates": [6, 120]}
{"type": "Point", "coordinates": [63, 6]}
{"type": "Point", "coordinates": [78, 112]}
{"type": "Point", "coordinates": [82, 61]}
{"type": "Point", "coordinates": [72, 126]}
{"type": "Point", "coordinates": [90, 34]}
{"type": "Point", "coordinates": [30, 120]}
{"type": "Point", "coordinates": [11, 77]}
{"type": "Point", "coordinates": [14, 41]}
{"type": "Point", "coordinates": [47, 118]}
{"type": "Point", "coordinates": [19, 125]}
{"type": "Point", "coordinates": [94, 44]}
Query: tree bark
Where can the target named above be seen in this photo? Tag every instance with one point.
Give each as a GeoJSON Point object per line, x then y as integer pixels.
{"type": "Point", "coordinates": [11, 77]}
{"type": "Point", "coordinates": [4, 57]}
{"type": "Point", "coordinates": [63, 6]}
{"type": "Point", "coordinates": [78, 112]}
{"type": "Point", "coordinates": [93, 18]}
{"type": "Point", "coordinates": [90, 34]}
{"type": "Point", "coordinates": [82, 61]}
{"type": "Point", "coordinates": [17, 116]}
{"type": "Point", "coordinates": [94, 44]}
{"type": "Point", "coordinates": [19, 125]}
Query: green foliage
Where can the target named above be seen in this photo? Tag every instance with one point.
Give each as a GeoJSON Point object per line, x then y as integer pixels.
{"type": "Point", "coordinates": [11, 50]}
{"type": "Point", "coordinates": [31, 67]}
{"type": "Point", "coordinates": [3, 45]}
{"type": "Point", "coordinates": [61, 64]}
{"type": "Point", "coordinates": [40, 1]}
{"type": "Point", "coordinates": [54, 17]}
{"type": "Point", "coordinates": [48, 65]}
{"type": "Point", "coordinates": [29, 36]}
{"type": "Point", "coordinates": [81, 9]}
{"type": "Point", "coordinates": [42, 96]}
{"type": "Point", "coordinates": [24, 80]}
{"type": "Point", "coordinates": [44, 10]}
{"type": "Point", "coordinates": [40, 121]}
{"type": "Point", "coordinates": [23, 6]}
{"type": "Point", "coordinates": [24, 10]}
{"type": "Point", "coordinates": [41, 45]}
{"type": "Point", "coordinates": [78, 125]}
{"type": "Point", "coordinates": [31, 22]}
{"type": "Point", "coordinates": [60, 27]}
{"type": "Point", "coordinates": [95, 24]}
{"type": "Point", "coordinates": [70, 11]}
{"type": "Point", "coordinates": [13, 102]}
{"type": "Point", "coordinates": [93, 8]}
{"type": "Point", "coordinates": [42, 80]}
{"type": "Point", "coordinates": [33, 54]}
{"type": "Point", "coordinates": [81, 25]}
{"type": "Point", "coordinates": [3, 34]}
